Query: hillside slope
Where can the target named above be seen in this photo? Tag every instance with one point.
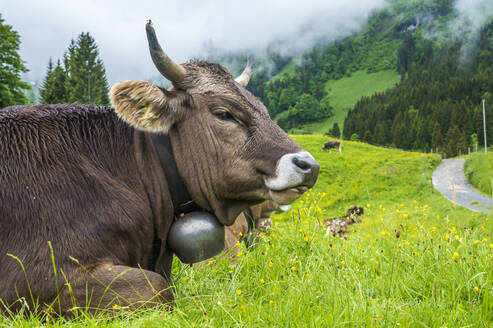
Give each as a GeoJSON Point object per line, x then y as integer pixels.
{"type": "Point", "coordinates": [413, 261]}
{"type": "Point", "coordinates": [479, 171]}
{"type": "Point", "coordinates": [345, 92]}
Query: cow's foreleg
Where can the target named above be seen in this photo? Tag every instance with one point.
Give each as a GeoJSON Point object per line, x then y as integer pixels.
{"type": "Point", "coordinates": [115, 287]}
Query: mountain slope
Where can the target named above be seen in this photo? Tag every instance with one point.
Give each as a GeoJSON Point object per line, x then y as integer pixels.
{"type": "Point", "coordinates": [345, 92]}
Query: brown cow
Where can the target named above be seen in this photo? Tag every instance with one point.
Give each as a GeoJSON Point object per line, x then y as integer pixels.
{"type": "Point", "coordinates": [332, 144]}
{"type": "Point", "coordinates": [93, 182]}
{"type": "Point", "coordinates": [340, 226]}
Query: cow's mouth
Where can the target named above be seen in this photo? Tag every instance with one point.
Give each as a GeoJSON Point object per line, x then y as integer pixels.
{"type": "Point", "coordinates": [287, 196]}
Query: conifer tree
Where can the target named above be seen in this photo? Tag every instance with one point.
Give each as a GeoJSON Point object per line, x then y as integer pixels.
{"type": "Point", "coordinates": [454, 139]}
{"type": "Point", "coordinates": [87, 81]}
{"type": "Point", "coordinates": [335, 131]}
{"type": "Point", "coordinates": [11, 67]}
{"type": "Point", "coordinates": [53, 90]}
{"type": "Point", "coordinates": [81, 78]}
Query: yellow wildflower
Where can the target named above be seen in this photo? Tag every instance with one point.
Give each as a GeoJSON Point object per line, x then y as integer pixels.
{"type": "Point", "coordinates": [455, 256]}
{"type": "Point", "coordinates": [305, 238]}
{"type": "Point", "coordinates": [447, 237]}
{"type": "Point", "coordinates": [293, 268]}
{"type": "Point", "coordinates": [484, 240]}
{"type": "Point", "coordinates": [343, 262]}
{"type": "Point", "coordinates": [243, 308]}
{"type": "Point", "coordinates": [238, 243]}
{"type": "Point", "coordinates": [476, 289]}
{"type": "Point", "coordinates": [239, 292]}
{"type": "Point", "coordinates": [210, 262]}
{"type": "Point", "coordinates": [230, 271]}
{"type": "Point", "coordinates": [115, 306]}
{"type": "Point", "coordinates": [307, 275]}
{"type": "Point", "coordinates": [433, 229]}
{"type": "Point", "coordinates": [476, 242]}
{"type": "Point", "coordinates": [262, 281]}
{"type": "Point", "coordinates": [270, 264]}
{"type": "Point", "coordinates": [240, 253]}
{"type": "Point", "coordinates": [453, 230]}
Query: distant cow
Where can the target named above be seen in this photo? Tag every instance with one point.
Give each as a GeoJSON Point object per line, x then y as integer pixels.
{"type": "Point", "coordinates": [340, 226]}
{"type": "Point", "coordinates": [98, 183]}
{"type": "Point", "coordinates": [332, 144]}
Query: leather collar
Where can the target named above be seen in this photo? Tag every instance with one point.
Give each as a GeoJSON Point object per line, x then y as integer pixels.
{"type": "Point", "coordinates": [182, 202]}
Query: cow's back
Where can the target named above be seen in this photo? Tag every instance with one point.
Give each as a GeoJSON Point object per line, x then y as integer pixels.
{"type": "Point", "coordinates": [67, 175]}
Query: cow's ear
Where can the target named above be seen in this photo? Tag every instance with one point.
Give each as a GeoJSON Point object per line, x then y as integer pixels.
{"type": "Point", "coordinates": [147, 107]}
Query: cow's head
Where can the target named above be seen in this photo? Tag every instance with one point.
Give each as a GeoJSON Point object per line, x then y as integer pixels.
{"type": "Point", "coordinates": [229, 152]}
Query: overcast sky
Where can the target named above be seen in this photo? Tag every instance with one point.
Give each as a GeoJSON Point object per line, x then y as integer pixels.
{"type": "Point", "coordinates": [184, 26]}
{"type": "Point", "coordinates": [47, 26]}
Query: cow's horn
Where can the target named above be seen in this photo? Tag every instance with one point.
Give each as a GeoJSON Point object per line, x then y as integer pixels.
{"type": "Point", "coordinates": [244, 78]}
{"type": "Point", "coordinates": [168, 68]}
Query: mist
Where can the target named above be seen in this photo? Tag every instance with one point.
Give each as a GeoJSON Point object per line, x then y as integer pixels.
{"type": "Point", "coordinates": [184, 28]}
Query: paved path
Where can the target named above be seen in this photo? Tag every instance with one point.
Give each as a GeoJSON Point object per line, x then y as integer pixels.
{"type": "Point", "coordinates": [452, 170]}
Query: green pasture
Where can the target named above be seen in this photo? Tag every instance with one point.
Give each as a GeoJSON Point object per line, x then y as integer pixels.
{"type": "Point", "coordinates": [479, 171]}
{"type": "Point", "coordinates": [345, 92]}
{"type": "Point", "coordinates": [414, 261]}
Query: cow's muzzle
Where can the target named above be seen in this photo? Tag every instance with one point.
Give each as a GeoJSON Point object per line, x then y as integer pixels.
{"type": "Point", "coordinates": [295, 173]}
{"type": "Point", "coordinates": [307, 166]}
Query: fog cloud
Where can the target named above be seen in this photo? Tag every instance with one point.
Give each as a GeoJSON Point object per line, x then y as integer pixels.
{"type": "Point", "coordinates": [184, 27]}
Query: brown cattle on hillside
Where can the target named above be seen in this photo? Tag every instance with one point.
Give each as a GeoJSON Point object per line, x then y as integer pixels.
{"type": "Point", "coordinates": [333, 144]}
{"type": "Point", "coordinates": [340, 226]}
{"type": "Point", "coordinates": [104, 185]}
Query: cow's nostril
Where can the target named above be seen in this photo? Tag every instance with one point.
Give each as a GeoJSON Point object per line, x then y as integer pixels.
{"type": "Point", "coordinates": [308, 167]}
{"type": "Point", "coordinates": [303, 163]}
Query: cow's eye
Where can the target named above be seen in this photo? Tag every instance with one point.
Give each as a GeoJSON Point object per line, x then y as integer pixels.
{"type": "Point", "coordinates": [225, 116]}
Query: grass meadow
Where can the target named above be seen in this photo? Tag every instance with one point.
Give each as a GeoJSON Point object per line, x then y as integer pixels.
{"type": "Point", "coordinates": [479, 171]}
{"type": "Point", "coordinates": [414, 261]}
{"type": "Point", "coordinates": [345, 92]}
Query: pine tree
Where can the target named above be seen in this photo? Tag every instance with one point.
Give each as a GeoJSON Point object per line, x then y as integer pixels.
{"type": "Point", "coordinates": [335, 131]}
{"type": "Point", "coordinates": [454, 138]}
{"type": "Point", "coordinates": [87, 81]}
{"type": "Point", "coordinates": [436, 136]}
{"type": "Point", "coordinates": [11, 66]}
{"type": "Point", "coordinates": [53, 90]}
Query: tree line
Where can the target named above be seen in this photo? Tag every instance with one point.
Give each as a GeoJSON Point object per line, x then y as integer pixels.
{"type": "Point", "coordinates": [11, 67]}
{"type": "Point", "coordinates": [437, 104]}
{"type": "Point", "coordinates": [79, 76]}
{"type": "Point", "coordinates": [304, 81]}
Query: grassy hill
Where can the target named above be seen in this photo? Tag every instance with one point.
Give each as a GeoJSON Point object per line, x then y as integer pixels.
{"type": "Point", "coordinates": [415, 261]}
{"type": "Point", "coordinates": [345, 92]}
{"type": "Point", "coordinates": [479, 171]}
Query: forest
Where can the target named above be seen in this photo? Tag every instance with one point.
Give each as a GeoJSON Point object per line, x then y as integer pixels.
{"type": "Point", "coordinates": [436, 106]}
